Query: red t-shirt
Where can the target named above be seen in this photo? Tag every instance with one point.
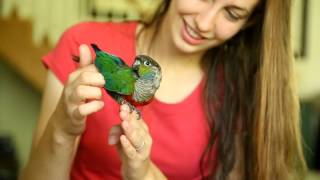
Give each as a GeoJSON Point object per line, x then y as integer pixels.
{"type": "Point", "coordinates": [179, 131]}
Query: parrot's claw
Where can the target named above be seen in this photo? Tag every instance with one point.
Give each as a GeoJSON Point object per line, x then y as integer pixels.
{"type": "Point", "coordinates": [133, 108]}
{"type": "Point", "coordinates": [138, 113]}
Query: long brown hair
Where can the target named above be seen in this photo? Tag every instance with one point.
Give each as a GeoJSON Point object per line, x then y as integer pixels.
{"type": "Point", "coordinates": [250, 96]}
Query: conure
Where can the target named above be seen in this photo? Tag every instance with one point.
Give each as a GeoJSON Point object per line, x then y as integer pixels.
{"type": "Point", "coordinates": [128, 85]}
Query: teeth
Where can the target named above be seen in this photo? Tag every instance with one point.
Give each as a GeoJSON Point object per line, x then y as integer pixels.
{"type": "Point", "coordinates": [192, 33]}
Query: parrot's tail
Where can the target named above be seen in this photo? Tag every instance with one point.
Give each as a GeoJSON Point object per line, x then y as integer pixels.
{"type": "Point", "coordinates": [95, 47]}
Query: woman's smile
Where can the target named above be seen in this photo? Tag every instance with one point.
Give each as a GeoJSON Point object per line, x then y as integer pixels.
{"type": "Point", "coordinates": [190, 35]}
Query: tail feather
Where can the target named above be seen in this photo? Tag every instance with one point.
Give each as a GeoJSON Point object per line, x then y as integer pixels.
{"type": "Point", "coordinates": [95, 47]}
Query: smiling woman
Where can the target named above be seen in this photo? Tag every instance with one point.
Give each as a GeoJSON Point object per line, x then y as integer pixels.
{"type": "Point", "coordinates": [233, 62]}
{"type": "Point", "coordinates": [206, 23]}
{"type": "Point", "coordinates": [250, 121]}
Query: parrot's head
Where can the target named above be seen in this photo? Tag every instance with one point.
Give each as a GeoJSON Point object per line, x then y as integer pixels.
{"type": "Point", "coordinates": [147, 68]}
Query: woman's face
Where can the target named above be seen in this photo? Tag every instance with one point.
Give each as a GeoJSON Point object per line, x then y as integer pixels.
{"type": "Point", "coordinates": [198, 25]}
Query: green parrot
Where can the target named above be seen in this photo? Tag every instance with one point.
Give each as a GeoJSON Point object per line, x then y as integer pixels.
{"type": "Point", "coordinates": [128, 85]}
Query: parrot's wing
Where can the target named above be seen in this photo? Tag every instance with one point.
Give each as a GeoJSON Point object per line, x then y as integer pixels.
{"type": "Point", "coordinates": [119, 77]}
{"type": "Point", "coordinates": [106, 64]}
{"type": "Point", "coordinates": [110, 57]}
{"type": "Point", "coordinates": [118, 60]}
{"type": "Point", "coordinates": [120, 81]}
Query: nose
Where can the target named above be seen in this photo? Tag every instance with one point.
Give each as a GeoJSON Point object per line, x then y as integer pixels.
{"type": "Point", "coordinates": [205, 20]}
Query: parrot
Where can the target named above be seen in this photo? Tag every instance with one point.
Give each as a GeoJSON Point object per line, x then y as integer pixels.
{"type": "Point", "coordinates": [135, 85]}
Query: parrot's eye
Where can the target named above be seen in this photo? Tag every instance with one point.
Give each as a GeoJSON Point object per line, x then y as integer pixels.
{"type": "Point", "coordinates": [147, 63]}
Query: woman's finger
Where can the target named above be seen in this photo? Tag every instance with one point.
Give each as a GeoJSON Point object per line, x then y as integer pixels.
{"type": "Point", "coordinates": [134, 131]}
{"type": "Point", "coordinates": [83, 93]}
{"type": "Point", "coordinates": [135, 135]}
{"type": "Point", "coordinates": [90, 78]}
{"type": "Point", "coordinates": [85, 55]}
{"type": "Point", "coordinates": [128, 148]}
{"type": "Point", "coordinates": [74, 75]}
{"type": "Point", "coordinates": [134, 116]}
{"type": "Point", "coordinates": [144, 125]}
{"type": "Point", "coordinates": [85, 109]}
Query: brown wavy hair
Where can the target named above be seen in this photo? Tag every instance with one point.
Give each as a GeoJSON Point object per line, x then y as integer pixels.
{"type": "Point", "coordinates": [250, 99]}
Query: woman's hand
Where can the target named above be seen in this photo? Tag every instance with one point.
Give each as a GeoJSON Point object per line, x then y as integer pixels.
{"type": "Point", "coordinates": [52, 155]}
{"type": "Point", "coordinates": [81, 96]}
{"type": "Point", "coordinates": [133, 144]}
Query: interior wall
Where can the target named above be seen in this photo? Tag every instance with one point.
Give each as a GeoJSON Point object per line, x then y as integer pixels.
{"type": "Point", "coordinates": [19, 108]}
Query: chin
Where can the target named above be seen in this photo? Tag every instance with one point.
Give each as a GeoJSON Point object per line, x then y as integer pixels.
{"type": "Point", "coordinates": [189, 50]}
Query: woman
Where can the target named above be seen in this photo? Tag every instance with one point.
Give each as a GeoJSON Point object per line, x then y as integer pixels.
{"type": "Point", "coordinates": [226, 107]}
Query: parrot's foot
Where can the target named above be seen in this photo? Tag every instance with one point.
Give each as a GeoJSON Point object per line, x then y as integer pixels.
{"type": "Point", "coordinates": [132, 108]}
{"type": "Point", "coordinates": [138, 113]}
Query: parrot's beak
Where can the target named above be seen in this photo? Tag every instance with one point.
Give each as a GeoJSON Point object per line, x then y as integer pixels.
{"type": "Point", "coordinates": [136, 70]}
{"type": "Point", "coordinates": [135, 67]}
{"type": "Point", "coordinates": [136, 63]}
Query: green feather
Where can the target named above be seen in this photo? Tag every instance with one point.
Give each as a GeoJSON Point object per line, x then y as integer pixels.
{"type": "Point", "coordinates": [118, 76]}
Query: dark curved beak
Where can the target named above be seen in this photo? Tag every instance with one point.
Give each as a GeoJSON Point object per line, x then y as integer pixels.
{"type": "Point", "coordinates": [135, 67]}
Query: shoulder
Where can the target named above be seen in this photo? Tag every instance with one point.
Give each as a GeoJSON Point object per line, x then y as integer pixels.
{"type": "Point", "coordinates": [114, 37]}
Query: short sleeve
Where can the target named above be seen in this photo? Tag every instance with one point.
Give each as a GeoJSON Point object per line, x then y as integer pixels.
{"type": "Point", "coordinates": [116, 38]}
{"type": "Point", "coordinates": [59, 60]}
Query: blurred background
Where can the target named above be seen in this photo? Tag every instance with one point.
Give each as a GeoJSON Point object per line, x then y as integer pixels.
{"type": "Point", "coordinates": [30, 28]}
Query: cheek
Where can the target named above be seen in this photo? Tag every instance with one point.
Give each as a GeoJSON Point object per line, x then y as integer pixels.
{"type": "Point", "coordinates": [225, 30]}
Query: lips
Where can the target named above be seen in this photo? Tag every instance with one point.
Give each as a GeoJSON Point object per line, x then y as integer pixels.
{"type": "Point", "coordinates": [192, 32]}
{"type": "Point", "coordinates": [190, 35]}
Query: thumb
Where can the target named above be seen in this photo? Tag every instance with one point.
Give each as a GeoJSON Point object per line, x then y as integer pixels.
{"type": "Point", "coordinates": [85, 55]}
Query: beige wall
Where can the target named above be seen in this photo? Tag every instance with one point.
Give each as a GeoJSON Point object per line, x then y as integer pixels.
{"type": "Point", "coordinates": [19, 108]}
{"type": "Point", "coordinates": [308, 68]}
